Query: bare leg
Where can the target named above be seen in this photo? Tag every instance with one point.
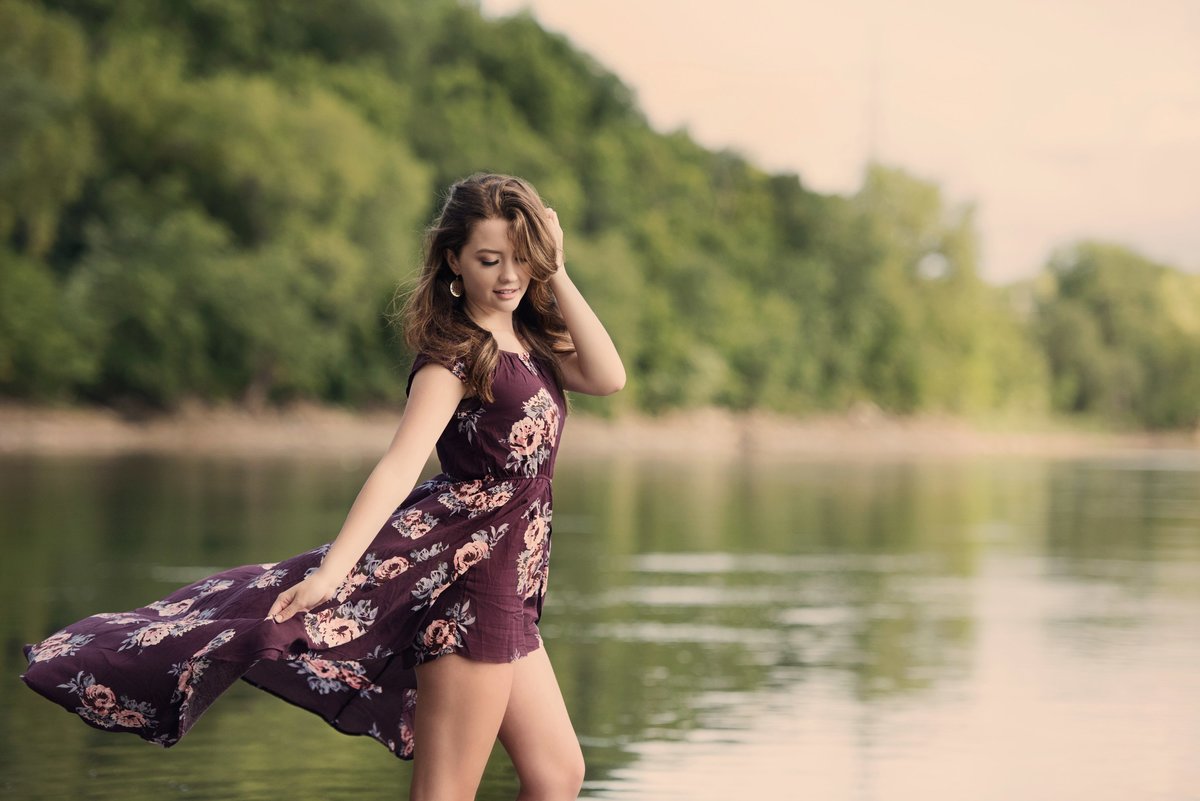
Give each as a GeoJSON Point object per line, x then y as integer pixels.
{"type": "Point", "coordinates": [459, 709]}
{"type": "Point", "coordinates": [538, 735]}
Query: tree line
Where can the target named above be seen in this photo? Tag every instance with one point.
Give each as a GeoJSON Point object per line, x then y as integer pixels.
{"type": "Point", "coordinates": [218, 200]}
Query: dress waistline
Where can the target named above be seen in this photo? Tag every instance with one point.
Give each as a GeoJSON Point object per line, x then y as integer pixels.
{"type": "Point", "coordinates": [489, 479]}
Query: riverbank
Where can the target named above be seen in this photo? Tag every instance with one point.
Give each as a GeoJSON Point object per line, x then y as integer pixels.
{"type": "Point", "coordinates": [313, 430]}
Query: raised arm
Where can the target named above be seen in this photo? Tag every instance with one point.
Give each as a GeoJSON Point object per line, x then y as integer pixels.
{"type": "Point", "coordinates": [595, 367]}
{"type": "Point", "coordinates": [434, 396]}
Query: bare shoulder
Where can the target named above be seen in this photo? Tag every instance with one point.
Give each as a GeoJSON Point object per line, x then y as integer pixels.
{"type": "Point", "coordinates": [423, 362]}
{"type": "Point", "coordinates": [433, 396]}
{"type": "Point", "coordinates": [437, 381]}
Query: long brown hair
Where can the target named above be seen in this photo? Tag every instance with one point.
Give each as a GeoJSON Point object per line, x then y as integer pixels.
{"type": "Point", "coordinates": [435, 322]}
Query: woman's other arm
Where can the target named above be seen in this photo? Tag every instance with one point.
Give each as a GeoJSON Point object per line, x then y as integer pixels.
{"type": "Point", "coordinates": [595, 367]}
{"type": "Point", "coordinates": [434, 396]}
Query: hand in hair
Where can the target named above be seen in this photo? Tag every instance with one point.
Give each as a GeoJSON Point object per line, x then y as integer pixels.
{"type": "Point", "coordinates": [557, 232]}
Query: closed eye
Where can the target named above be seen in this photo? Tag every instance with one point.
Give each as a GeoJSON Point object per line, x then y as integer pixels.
{"type": "Point", "coordinates": [490, 263]}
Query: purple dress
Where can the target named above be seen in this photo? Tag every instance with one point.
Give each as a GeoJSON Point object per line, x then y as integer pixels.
{"type": "Point", "coordinates": [459, 568]}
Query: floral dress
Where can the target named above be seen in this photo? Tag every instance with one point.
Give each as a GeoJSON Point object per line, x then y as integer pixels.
{"type": "Point", "coordinates": [460, 567]}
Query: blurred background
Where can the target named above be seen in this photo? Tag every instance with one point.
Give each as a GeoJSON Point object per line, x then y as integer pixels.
{"type": "Point", "coordinates": [216, 200]}
{"type": "Point", "coordinates": [983, 214]}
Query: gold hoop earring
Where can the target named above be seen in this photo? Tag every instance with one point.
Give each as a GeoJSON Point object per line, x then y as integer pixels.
{"type": "Point", "coordinates": [456, 287]}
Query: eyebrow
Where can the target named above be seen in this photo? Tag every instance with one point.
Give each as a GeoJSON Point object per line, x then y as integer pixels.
{"type": "Point", "coordinates": [489, 250]}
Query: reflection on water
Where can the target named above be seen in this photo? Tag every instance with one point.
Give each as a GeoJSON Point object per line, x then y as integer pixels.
{"type": "Point", "coordinates": [991, 630]}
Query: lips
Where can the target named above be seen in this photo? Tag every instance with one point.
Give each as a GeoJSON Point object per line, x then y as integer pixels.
{"type": "Point", "coordinates": [507, 293]}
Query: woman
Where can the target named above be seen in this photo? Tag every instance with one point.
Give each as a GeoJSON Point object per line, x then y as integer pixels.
{"type": "Point", "coordinates": [433, 596]}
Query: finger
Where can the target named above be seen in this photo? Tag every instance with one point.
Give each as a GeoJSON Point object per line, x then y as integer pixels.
{"type": "Point", "coordinates": [282, 599]}
{"type": "Point", "coordinates": [291, 612]}
{"type": "Point", "coordinates": [281, 603]}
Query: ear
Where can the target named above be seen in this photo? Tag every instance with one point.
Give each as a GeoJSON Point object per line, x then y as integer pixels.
{"type": "Point", "coordinates": [453, 261]}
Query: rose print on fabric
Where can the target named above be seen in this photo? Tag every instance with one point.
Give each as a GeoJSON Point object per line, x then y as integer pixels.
{"type": "Point", "coordinates": [532, 439]}
{"type": "Point", "coordinates": [189, 671]}
{"type": "Point", "coordinates": [473, 498]}
{"type": "Point", "coordinates": [528, 362]}
{"type": "Point", "coordinates": [468, 422]}
{"type": "Point", "coordinates": [407, 711]}
{"type": "Point", "coordinates": [425, 554]}
{"type": "Point", "coordinates": [389, 569]}
{"type": "Point", "coordinates": [429, 587]}
{"type": "Point", "coordinates": [216, 642]}
{"type": "Point", "coordinates": [213, 585]}
{"type": "Point", "coordinates": [414, 523]}
{"type": "Point", "coordinates": [352, 582]}
{"type": "Point", "coordinates": [533, 563]}
{"type": "Point", "coordinates": [525, 442]}
{"type": "Point", "coordinates": [102, 707]}
{"type": "Point", "coordinates": [431, 485]}
{"type": "Point", "coordinates": [167, 609]}
{"type": "Point", "coordinates": [62, 643]}
{"type": "Point", "coordinates": [270, 578]}
{"type": "Point", "coordinates": [326, 676]}
{"type": "Point", "coordinates": [368, 573]}
{"type": "Point", "coordinates": [320, 551]}
{"type": "Point", "coordinates": [519, 654]}
{"type": "Point", "coordinates": [333, 627]}
{"type": "Point", "coordinates": [478, 549]}
{"type": "Point", "coordinates": [445, 635]}
{"type": "Point", "coordinates": [469, 555]}
{"type": "Point", "coordinates": [121, 618]}
{"type": "Point", "coordinates": [387, 742]}
{"type": "Point", "coordinates": [156, 631]}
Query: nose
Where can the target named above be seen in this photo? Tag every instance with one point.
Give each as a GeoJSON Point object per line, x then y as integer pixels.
{"type": "Point", "coordinates": [510, 272]}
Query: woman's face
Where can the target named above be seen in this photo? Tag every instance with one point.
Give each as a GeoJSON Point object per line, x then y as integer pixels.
{"type": "Point", "coordinates": [494, 281]}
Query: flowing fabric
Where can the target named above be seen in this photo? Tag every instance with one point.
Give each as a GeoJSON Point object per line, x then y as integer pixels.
{"type": "Point", "coordinates": [460, 567]}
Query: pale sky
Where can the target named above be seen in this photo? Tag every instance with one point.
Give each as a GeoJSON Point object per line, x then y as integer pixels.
{"type": "Point", "coordinates": [1059, 119]}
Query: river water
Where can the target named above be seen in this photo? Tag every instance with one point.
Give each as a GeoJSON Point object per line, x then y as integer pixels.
{"type": "Point", "coordinates": [846, 631]}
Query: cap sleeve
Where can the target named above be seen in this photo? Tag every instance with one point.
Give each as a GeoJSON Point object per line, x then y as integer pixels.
{"type": "Point", "coordinates": [456, 366]}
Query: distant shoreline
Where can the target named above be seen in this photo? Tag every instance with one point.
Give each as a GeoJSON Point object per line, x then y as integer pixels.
{"type": "Point", "coordinates": [313, 431]}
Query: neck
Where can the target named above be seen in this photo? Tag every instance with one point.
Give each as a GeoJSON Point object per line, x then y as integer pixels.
{"type": "Point", "coordinates": [501, 325]}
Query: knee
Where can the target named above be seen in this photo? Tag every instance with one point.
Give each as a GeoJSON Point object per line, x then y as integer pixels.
{"type": "Point", "coordinates": [560, 779]}
{"type": "Point", "coordinates": [573, 776]}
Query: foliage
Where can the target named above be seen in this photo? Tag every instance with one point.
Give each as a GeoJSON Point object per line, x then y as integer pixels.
{"type": "Point", "coordinates": [217, 199]}
{"type": "Point", "coordinates": [1122, 335]}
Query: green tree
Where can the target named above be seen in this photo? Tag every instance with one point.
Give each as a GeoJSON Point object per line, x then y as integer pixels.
{"type": "Point", "coordinates": [46, 139]}
{"type": "Point", "coordinates": [1122, 337]}
{"type": "Point", "coordinates": [214, 198]}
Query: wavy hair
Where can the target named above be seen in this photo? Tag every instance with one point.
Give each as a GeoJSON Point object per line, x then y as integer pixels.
{"type": "Point", "coordinates": [435, 322]}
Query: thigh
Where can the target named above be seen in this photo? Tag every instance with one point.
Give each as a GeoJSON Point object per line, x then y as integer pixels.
{"type": "Point", "coordinates": [536, 730]}
{"type": "Point", "coordinates": [460, 704]}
